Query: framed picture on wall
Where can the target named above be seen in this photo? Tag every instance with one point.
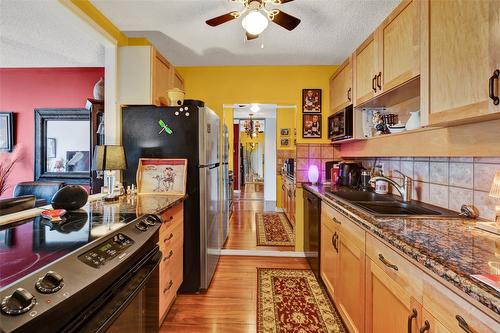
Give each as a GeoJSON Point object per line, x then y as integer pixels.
{"type": "Point", "coordinates": [285, 132]}
{"type": "Point", "coordinates": [311, 100]}
{"type": "Point", "coordinates": [161, 176]}
{"type": "Point", "coordinates": [6, 131]}
{"type": "Point", "coordinates": [285, 142]}
{"type": "Point", "coordinates": [311, 126]}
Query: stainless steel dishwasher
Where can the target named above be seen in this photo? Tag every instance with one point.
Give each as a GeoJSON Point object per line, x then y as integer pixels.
{"type": "Point", "coordinates": [312, 220]}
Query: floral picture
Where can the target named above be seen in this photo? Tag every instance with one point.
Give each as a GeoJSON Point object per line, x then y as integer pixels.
{"type": "Point", "coordinates": [311, 126]}
{"type": "Point", "coordinates": [311, 100]}
{"type": "Point", "coordinates": [161, 176]}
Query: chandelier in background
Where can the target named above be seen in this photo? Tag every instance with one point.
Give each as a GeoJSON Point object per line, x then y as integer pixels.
{"type": "Point", "coordinates": [251, 128]}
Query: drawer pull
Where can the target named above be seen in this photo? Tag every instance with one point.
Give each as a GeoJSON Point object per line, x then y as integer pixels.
{"type": "Point", "coordinates": [412, 316]}
{"type": "Point", "coordinates": [335, 237]}
{"type": "Point", "coordinates": [495, 76]}
{"type": "Point", "coordinates": [426, 327]}
{"type": "Point", "coordinates": [349, 94]}
{"type": "Point", "coordinates": [373, 83]}
{"type": "Point", "coordinates": [169, 256]}
{"type": "Point", "coordinates": [463, 324]}
{"type": "Point", "coordinates": [168, 238]}
{"type": "Point", "coordinates": [336, 221]}
{"type": "Point", "coordinates": [170, 284]}
{"type": "Point", "coordinates": [385, 262]}
{"type": "Point", "coordinates": [379, 80]}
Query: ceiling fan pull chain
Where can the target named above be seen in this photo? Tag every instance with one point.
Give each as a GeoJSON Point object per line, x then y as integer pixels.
{"type": "Point", "coordinates": [262, 41]}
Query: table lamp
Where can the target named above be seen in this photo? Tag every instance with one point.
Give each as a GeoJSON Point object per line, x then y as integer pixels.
{"type": "Point", "coordinates": [493, 227]}
{"type": "Point", "coordinates": [109, 158]}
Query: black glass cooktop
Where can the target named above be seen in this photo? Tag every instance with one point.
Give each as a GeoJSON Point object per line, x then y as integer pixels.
{"type": "Point", "coordinates": [34, 243]}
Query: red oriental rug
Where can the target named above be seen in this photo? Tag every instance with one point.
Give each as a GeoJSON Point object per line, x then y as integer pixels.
{"type": "Point", "coordinates": [273, 229]}
{"type": "Point", "coordinates": [292, 301]}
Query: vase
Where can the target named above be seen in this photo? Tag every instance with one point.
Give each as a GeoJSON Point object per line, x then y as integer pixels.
{"type": "Point", "coordinates": [99, 89]}
{"type": "Point", "coordinates": [414, 121]}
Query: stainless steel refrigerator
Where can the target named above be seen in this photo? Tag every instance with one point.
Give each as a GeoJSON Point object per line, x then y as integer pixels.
{"type": "Point", "coordinates": [195, 135]}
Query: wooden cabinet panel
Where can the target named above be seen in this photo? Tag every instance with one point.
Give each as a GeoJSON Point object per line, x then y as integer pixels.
{"type": "Point", "coordinates": [460, 58]}
{"type": "Point", "coordinates": [388, 305]}
{"type": "Point", "coordinates": [399, 46]}
{"type": "Point", "coordinates": [341, 87]}
{"type": "Point", "coordinates": [178, 81]}
{"type": "Point", "coordinates": [163, 74]}
{"type": "Point", "coordinates": [329, 256]}
{"type": "Point", "coordinates": [431, 324]}
{"type": "Point", "coordinates": [365, 62]}
{"type": "Point", "coordinates": [445, 305]}
{"type": "Point", "coordinates": [351, 283]}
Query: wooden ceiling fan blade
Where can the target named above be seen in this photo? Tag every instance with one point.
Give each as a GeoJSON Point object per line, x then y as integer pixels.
{"type": "Point", "coordinates": [280, 2]}
{"type": "Point", "coordinates": [285, 20]}
{"type": "Point", "coordinates": [222, 19]}
{"type": "Point", "coordinates": [251, 37]}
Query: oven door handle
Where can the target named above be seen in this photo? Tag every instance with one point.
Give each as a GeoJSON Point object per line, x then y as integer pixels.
{"type": "Point", "coordinates": [87, 319]}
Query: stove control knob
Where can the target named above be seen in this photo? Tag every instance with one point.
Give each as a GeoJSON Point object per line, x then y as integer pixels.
{"type": "Point", "coordinates": [50, 283]}
{"type": "Point", "coordinates": [19, 302]}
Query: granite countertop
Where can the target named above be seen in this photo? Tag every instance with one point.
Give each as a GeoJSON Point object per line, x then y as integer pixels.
{"type": "Point", "coordinates": [450, 248]}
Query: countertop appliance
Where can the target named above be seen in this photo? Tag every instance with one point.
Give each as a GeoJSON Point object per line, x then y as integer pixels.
{"type": "Point", "coordinates": [312, 221]}
{"type": "Point", "coordinates": [349, 173]}
{"type": "Point", "coordinates": [226, 186]}
{"type": "Point", "coordinates": [91, 273]}
{"type": "Point", "coordinates": [340, 124]}
{"type": "Point", "coordinates": [195, 136]}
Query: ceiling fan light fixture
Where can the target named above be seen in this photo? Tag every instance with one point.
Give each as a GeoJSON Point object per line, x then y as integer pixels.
{"type": "Point", "coordinates": [255, 22]}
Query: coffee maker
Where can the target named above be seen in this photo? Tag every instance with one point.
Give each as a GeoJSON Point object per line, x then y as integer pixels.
{"type": "Point", "coordinates": [349, 174]}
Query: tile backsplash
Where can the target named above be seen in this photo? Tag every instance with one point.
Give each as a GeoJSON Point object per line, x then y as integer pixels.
{"type": "Point", "coordinates": [447, 182]}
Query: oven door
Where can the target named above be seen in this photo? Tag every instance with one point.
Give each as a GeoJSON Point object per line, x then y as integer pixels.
{"type": "Point", "coordinates": [131, 305]}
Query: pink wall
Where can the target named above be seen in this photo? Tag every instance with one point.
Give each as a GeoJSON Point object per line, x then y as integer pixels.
{"type": "Point", "coordinates": [24, 89]}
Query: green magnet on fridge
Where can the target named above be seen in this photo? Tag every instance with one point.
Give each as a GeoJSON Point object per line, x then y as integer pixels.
{"type": "Point", "coordinates": [164, 127]}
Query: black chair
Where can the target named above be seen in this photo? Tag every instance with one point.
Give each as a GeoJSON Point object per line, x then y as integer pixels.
{"type": "Point", "coordinates": [14, 205]}
{"type": "Point", "coordinates": [43, 191]}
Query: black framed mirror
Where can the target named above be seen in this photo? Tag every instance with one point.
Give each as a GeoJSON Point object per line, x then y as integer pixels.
{"type": "Point", "coordinates": [63, 145]}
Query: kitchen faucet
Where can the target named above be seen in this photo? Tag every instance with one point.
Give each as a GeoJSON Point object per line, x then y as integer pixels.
{"type": "Point", "coordinates": [405, 190]}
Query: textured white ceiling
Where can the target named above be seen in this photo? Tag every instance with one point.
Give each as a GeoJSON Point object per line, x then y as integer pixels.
{"type": "Point", "coordinates": [328, 33]}
{"type": "Point", "coordinates": [44, 33]}
{"type": "Point", "coordinates": [242, 111]}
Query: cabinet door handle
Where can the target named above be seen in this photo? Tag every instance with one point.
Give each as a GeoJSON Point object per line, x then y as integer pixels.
{"type": "Point", "coordinates": [349, 94]}
{"type": "Point", "coordinates": [426, 327]}
{"type": "Point", "coordinates": [412, 316]}
{"type": "Point", "coordinates": [463, 324]}
{"type": "Point", "coordinates": [373, 83]}
{"type": "Point", "coordinates": [495, 76]}
{"type": "Point", "coordinates": [379, 80]}
{"type": "Point", "coordinates": [336, 221]}
{"type": "Point", "coordinates": [387, 263]}
{"type": "Point", "coordinates": [168, 238]}
{"type": "Point", "coordinates": [169, 256]}
{"type": "Point", "coordinates": [168, 287]}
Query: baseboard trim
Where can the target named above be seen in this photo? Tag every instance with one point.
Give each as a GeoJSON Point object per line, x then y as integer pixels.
{"type": "Point", "coordinates": [262, 253]}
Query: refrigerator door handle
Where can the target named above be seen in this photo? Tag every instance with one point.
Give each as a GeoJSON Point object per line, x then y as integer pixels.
{"type": "Point", "coordinates": [215, 165]}
{"type": "Point", "coordinates": [210, 166]}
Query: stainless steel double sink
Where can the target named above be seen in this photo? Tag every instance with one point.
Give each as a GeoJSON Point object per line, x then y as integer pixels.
{"type": "Point", "coordinates": [388, 205]}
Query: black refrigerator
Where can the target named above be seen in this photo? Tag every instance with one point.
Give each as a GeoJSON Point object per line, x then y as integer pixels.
{"type": "Point", "coordinates": [194, 134]}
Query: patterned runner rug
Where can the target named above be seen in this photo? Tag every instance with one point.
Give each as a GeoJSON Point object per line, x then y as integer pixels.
{"type": "Point", "coordinates": [292, 301]}
{"type": "Point", "coordinates": [273, 229]}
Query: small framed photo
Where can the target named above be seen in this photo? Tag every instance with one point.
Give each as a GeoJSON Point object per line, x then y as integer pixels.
{"type": "Point", "coordinates": [311, 126]}
{"type": "Point", "coordinates": [285, 132]}
{"type": "Point", "coordinates": [51, 147]}
{"type": "Point", "coordinates": [6, 131]}
{"type": "Point", "coordinates": [311, 100]}
{"type": "Point", "coordinates": [161, 176]}
{"type": "Point", "coordinates": [285, 142]}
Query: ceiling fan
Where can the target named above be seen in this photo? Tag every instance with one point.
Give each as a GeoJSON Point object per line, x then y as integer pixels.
{"type": "Point", "coordinates": [257, 16]}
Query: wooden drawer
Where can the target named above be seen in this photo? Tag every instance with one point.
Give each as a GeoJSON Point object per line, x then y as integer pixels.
{"type": "Point", "coordinates": [171, 217]}
{"type": "Point", "coordinates": [445, 306]}
{"type": "Point", "coordinates": [172, 235]}
{"type": "Point", "coordinates": [404, 273]}
{"type": "Point", "coordinates": [348, 228]}
{"type": "Point", "coordinates": [171, 270]}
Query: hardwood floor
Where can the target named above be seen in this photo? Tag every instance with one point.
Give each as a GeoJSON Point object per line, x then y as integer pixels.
{"type": "Point", "coordinates": [242, 228]}
{"type": "Point", "coordinates": [229, 305]}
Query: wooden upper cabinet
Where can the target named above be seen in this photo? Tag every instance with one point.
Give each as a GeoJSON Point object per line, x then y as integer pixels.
{"type": "Point", "coordinates": [162, 78]}
{"type": "Point", "coordinates": [462, 47]}
{"type": "Point", "coordinates": [399, 46]}
{"type": "Point", "coordinates": [341, 87]}
{"type": "Point", "coordinates": [365, 70]}
{"type": "Point", "coordinates": [178, 80]}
